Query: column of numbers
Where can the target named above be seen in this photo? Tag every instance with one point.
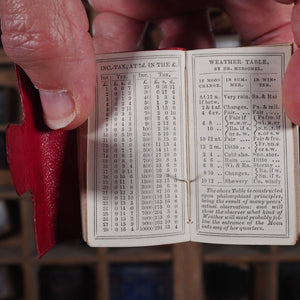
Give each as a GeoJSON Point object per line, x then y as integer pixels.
{"type": "Point", "coordinates": [122, 156]}
{"type": "Point", "coordinates": [167, 149]}
{"type": "Point", "coordinates": [104, 148]}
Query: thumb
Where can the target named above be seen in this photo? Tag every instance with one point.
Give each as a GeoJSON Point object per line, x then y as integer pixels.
{"type": "Point", "coordinates": [291, 87]}
{"type": "Point", "coordinates": [50, 41]}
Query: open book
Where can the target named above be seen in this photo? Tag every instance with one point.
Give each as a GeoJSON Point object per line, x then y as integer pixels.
{"type": "Point", "coordinates": [190, 145]}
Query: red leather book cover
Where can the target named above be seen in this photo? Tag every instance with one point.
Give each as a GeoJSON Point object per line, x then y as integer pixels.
{"type": "Point", "coordinates": [44, 161]}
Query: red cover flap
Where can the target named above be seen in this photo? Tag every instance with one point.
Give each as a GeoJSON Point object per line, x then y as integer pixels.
{"type": "Point", "coordinates": [44, 161]}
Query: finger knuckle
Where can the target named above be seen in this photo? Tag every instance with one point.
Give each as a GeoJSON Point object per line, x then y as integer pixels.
{"type": "Point", "coordinates": [25, 41]}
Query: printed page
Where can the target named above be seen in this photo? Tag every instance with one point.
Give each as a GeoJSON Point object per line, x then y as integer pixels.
{"type": "Point", "coordinates": [241, 147]}
{"type": "Point", "coordinates": [136, 151]}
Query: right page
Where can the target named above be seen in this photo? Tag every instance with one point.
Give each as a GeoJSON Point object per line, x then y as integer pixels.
{"type": "Point", "coordinates": [242, 154]}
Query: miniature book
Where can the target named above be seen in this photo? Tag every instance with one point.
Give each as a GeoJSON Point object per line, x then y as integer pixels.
{"type": "Point", "coordinates": [189, 146]}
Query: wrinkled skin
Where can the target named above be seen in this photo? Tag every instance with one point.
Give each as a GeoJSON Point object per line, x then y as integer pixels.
{"type": "Point", "coordinates": [50, 41]}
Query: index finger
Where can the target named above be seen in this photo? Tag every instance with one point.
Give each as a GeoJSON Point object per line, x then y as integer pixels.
{"type": "Point", "coordinates": [291, 87]}
{"type": "Point", "coordinates": [261, 22]}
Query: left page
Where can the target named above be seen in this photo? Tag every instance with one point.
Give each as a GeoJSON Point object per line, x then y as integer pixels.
{"type": "Point", "coordinates": [136, 151]}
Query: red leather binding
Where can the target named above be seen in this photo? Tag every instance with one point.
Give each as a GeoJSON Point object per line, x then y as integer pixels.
{"type": "Point", "coordinates": [45, 162]}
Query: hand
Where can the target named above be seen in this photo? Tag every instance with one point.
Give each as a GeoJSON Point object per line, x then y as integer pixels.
{"type": "Point", "coordinates": [50, 40]}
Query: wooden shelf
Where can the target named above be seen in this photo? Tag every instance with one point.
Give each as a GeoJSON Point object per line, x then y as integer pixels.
{"type": "Point", "coordinates": [7, 192]}
{"type": "Point", "coordinates": [138, 255]}
{"type": "Point", "coordinates": [5, 179]}
{"type": "Point", "coordinates": [11, 256]}
{"type": "Point", "coordinates": [11, 241]}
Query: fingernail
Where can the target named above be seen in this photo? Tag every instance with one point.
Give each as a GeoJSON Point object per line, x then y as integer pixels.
{"type": "Point", "coordinates": [58, 108]}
